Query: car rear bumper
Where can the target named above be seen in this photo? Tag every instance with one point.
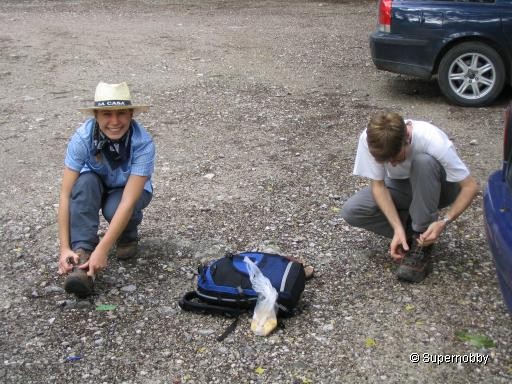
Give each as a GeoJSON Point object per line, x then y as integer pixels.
{"type": "Point", "coordinates": [398, 54]}
{"type": "Point", "coordinates": [498, 221]}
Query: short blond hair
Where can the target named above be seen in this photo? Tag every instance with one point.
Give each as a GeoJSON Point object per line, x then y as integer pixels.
{"type": "Point", "coordinates": [386, 134]}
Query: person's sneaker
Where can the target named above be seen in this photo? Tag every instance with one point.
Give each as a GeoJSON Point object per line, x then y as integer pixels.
{"type": "Point", "coordinates": [416, 264]}
{"type": "Point", "coordinates": [77, 281]}
{"type": "Point", "coordinates": [125, 251]}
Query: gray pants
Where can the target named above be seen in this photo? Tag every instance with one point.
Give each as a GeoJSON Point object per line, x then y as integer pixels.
{"type": "Point", "coordinates": [419, 197]}
{"type": "Point", "coordinates": [88, 196]}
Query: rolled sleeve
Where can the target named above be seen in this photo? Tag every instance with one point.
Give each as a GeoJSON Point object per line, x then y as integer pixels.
{"type": "Point", "coordinates": [76, 153]}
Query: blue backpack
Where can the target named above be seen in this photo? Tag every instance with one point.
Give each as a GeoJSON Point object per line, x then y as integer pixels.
{"type": "Point", "coordinates": [224, 286]}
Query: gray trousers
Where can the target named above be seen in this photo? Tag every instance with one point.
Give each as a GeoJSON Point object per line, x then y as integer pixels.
{"type": "Point", "coordinates": [88, 196]}
{"type": "Point", "coordinates": [419, 197]}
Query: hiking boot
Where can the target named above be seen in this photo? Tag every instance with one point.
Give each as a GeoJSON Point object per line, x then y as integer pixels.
{"type": "Point", "coordinates": [127, 250]}
{"type": "Point", "coordinates": [77, 281]}
{"type": "Point", "coordinates": [416, 264]}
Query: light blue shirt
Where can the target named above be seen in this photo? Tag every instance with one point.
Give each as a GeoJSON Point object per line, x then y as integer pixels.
{"type": "Point", "coordinates": [80, 158]}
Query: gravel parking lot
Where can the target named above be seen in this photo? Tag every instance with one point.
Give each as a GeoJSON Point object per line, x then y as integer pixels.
{"type": "Point", "coordinates": [256, 111]}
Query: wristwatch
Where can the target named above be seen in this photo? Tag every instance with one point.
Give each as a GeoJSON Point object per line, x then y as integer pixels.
{"type": "Point", "coordinates": [446, 220]}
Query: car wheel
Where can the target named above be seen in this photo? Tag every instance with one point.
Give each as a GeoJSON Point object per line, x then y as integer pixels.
{"type": "Point", "coordinates": [471, 74]}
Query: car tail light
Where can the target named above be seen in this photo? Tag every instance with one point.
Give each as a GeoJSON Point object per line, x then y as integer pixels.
{"type": "Point", "coordinates": [385, 15]}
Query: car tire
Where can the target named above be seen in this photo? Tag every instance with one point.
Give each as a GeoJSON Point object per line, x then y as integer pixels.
{"type": "Point", "coordinates": [471, 74]}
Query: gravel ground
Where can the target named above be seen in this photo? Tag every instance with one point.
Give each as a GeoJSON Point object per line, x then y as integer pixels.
{"type": "Point", "coordinates": [256, 110]}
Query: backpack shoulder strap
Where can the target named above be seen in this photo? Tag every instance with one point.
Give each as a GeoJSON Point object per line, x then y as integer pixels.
{"type": "Point", "coordinates": [189, 302]}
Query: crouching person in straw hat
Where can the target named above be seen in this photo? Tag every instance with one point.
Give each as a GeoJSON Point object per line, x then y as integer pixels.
{"type": "Point", "coordinates": [108, 167]}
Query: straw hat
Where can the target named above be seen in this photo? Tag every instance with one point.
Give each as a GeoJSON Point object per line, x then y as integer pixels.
{"type": "Point", "coordinates": [113, 96]}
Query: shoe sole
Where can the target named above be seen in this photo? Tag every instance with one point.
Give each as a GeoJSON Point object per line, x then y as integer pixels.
{"type": "Point", "coordinates": [76, 286]}
{"type": "Point", "coordinates": [414, 275]}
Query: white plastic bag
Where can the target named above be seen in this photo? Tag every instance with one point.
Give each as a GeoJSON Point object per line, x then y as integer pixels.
{"type": "Point", "coordinates": [264, 319]}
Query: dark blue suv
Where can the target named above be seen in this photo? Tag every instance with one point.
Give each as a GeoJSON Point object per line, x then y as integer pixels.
{"type": "Point", "coordinates": [467, 43]}
{"type": "Point", "coordinates": [498, 214]}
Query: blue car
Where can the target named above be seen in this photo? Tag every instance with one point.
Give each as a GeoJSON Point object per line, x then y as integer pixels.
{"type": "Point", "coordinates": [466, 43]}
{"type": "Point", "coordinates": [498, 214]}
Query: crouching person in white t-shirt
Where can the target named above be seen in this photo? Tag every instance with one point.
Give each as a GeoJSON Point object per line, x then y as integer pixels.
{"type": "Point", "coordinates": [414, 171]}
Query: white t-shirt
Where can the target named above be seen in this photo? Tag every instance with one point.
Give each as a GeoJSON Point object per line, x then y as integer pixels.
{"type": "Point", "coordinates": [426, 138]}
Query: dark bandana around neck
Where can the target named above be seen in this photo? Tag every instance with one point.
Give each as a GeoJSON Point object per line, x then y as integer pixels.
{"type": "Point", "coordinates": [116, 151]}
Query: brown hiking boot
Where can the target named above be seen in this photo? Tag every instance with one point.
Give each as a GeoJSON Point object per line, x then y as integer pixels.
{"type": "Point", "coordinates": [127, 250]}
{"type": "Point", "coordinates": [417, 263]}
{"type": "Point", "coordinates": [77, 281]}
